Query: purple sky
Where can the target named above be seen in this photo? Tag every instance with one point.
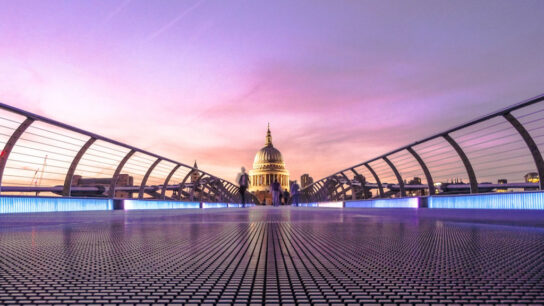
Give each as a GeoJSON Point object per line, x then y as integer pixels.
{"type": "Point", "coordinates": [339, 81]}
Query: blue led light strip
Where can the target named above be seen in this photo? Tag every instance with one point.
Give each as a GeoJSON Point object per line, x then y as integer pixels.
{"type": "Point", "coordinates": [522, 200]}
{"type": "Point", "coordinates": [44, 204]}
{"type": "Point", "coordinates": [150, 204]}
{"type": "Point", "coordinates": [385, 203]}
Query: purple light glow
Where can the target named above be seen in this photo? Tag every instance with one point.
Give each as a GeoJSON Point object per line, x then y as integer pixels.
{"type": "Point", "coordinates": [200, 79]}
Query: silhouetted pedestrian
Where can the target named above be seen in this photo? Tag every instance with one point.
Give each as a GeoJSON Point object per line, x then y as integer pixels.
{"type": "Point", "coordinates": [294, 192]}
{"type": "Point", "coordinates": [243, 182]}
{"type": "Point", "coordinates": [276, 190]}
{"type": "Point", "coordinates": [286, 196]}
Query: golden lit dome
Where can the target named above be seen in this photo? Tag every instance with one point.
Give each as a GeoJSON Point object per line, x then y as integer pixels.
{"type": "Point", "coordinates": [268, 157]}
{"type": "Point", "coordinates": [268, 167]}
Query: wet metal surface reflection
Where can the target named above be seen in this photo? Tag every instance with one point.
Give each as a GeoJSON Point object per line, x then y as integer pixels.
{"type": "Point", "coordinates": [277, 255]}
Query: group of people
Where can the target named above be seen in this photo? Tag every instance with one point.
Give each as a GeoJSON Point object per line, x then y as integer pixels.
{"type": "Point", "coordinates": [278, 197]}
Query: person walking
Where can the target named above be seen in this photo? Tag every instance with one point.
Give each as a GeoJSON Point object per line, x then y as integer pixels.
{"type": "Point", "coordinates": [243, 182]}
{"type": "Point", "coordinates": [286, 196]}
{"type": "Point", "coordinates": [294, 192]}
{"type": "Point", "coordinates": [276, 190]}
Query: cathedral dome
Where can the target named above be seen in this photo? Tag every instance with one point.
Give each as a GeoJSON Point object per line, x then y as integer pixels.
{"type": "Point", "coordinates": [268, 157]}
{"type": "Point", "coordinates": [268, 167]}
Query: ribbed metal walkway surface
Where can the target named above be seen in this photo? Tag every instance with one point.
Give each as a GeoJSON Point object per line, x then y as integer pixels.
{"type": "Point", "coordinates": [273, 255]}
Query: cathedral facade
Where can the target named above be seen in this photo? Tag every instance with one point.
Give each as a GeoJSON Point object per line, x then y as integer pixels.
{"type": "Point", "coordinates": [268, 166]}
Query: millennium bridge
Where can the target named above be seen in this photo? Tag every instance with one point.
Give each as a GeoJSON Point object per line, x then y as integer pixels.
{"type": "Point", "coordinates": [455, 218]}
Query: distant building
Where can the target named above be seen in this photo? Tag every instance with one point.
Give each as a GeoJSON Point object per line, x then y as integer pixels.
{"type": "Point", "coordinates": [502, 182]}
{"type": "Point", "coordinates": [124, 180]}
{"type": "Point", "coordinates": [194, 173]}
{"type": "Point", "coordinates": [268, 166]}
{"type": "Point", "coordinates": [360, 192]}
{"type": "Point", "coordinates": [415, 181]}
{"type": "Point", "coordinates": [531, 177]}
{"type": "Point", "coordinates": [195, 191]}
{"type": "Point", "coordinates": [415, 192]}
{"type": "Point", "coordinates": [306, 180]}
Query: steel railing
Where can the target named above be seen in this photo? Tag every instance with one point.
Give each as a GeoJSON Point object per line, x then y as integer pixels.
{"type": "Point", "coordinates": [45, 157]}
{"type": "Point", "coordinates": [498, 152]}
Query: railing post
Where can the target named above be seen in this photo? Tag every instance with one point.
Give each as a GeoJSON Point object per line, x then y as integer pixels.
{"type": "Point", "coordinates": [10, 144]}
{"type": "Point", "coordinates": [67, 190]}
{"type": "Point", "coordinates": [426, 171]}
{"type": "Point", "coordinates": [380, 187]}
{"type": "Point", "coordinates": [115, 177]}
{"type": "Point", "coordinates": [146, 176]}
{"type": "Point", "coordinates": [533, 148]}
{"type": "Point", "coordinates": [466, 163]}
{"type": "Point", "coordinates": [397, 175]}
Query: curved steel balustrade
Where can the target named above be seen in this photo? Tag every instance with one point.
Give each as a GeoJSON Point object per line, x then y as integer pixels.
{"type": "Point", "coordinates": [496, 153]}
{"type": "Point", "coordinates": [44, 157]}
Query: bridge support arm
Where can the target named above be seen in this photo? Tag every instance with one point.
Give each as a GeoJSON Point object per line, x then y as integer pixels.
{"type": "Point", "coordinates": [466, 163]}
{"type": "Point", "coordinates": [353, 196]}
{"type": "Point", "coordinates": [146, 177]}
{"type": "Point", "coordinates": [314, 194]}
{"type": "Point", "coordinates": [426, 171]}
{"type": "Point", "coordinates": [167, 180]}
{"type": "Point", "coordinates": [533, 148]}
{"type": "Point", "coordinates": [397, 175]}
{"type": "Point", "coordinates": [363, 184]}
{"type": "Point", "coordinates": [10, 144]}
{"type": "Point", "coordinates": [380, 187]}
{"type": "Point", "coordinates": [321, 191]}
{"type": "Point", "coordinates": [336, 194]}
{"type": "Point", "coordinates": [67, 190]}
{"type": "Point", "coordinates": [182, 184]}
{"type": "Point", "coordinates": [118, 171]}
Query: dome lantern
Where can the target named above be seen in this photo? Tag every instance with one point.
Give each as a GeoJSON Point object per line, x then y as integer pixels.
{"type": "Point", "coordinates": [268, 142]}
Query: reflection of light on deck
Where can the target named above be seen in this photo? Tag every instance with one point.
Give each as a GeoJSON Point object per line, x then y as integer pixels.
{"type": "Point", "coordinates": [331, 204]}
{"type": "Point", "coordinates": [239, 205]}
{"type": "Point", "coordinates": [214, 205]}
{"type": "Point", "coordinates": [146, 204]}
{"type": "Point", "coordinates": [36, 204]}
{"type": "Point", "coordinates": [386, 203]}
{"type": "Point", "coordinates": [527, 200]}
{"type": "Point", "coordinates": [307, 205]}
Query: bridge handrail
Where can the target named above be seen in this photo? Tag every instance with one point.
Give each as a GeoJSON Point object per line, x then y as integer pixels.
{"type": "Point", "coordinates": [317, 188]}
{"type": "Point", "coordinates": [229, 189]}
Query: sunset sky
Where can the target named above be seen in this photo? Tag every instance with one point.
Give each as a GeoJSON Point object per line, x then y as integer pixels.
{"type": "Point", "coordinates": [339, 81]}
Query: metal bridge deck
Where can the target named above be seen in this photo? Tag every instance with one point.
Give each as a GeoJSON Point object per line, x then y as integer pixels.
{"type": "Point", "coordinates": [273, 255]}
